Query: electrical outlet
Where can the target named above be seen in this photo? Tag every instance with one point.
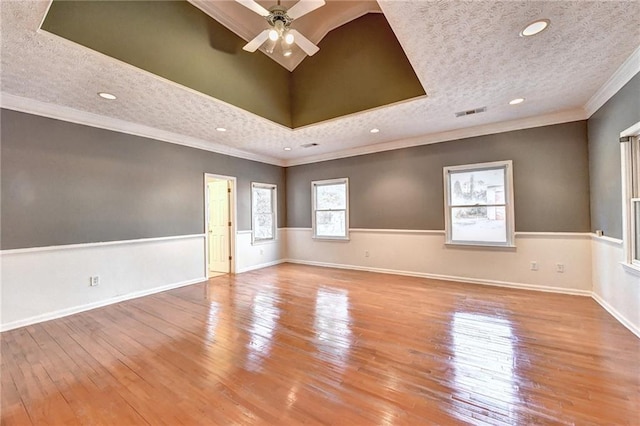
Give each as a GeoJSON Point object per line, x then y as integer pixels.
{"type": "Point", "coordinates": [366, 253]}
{"type": "Point", "coordinates": [534, 266]}
{"type": "Point", "coordinates": [560, 267]}
{"type": "Point", "coordinates": [94, 281]}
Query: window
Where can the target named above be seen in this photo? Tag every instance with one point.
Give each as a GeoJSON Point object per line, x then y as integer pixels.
{"type": "Point", "coordinates": [635, 201]}
{"type": "Point", "coordinates": [479, 204]}
{"type": "Point", "coordinates": [263, 212]}
{"type": "Point", "coordinates": [331, 209]}
{"type": "Point", "coordinates": [630, 150]}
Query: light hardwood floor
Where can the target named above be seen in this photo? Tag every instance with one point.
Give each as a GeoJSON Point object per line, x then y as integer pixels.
{"type": "Point", "coordinates": [296, 344]}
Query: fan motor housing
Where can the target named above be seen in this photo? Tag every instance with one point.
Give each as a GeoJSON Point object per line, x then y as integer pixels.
{"type": "Point", "coordinates": [278, 14]}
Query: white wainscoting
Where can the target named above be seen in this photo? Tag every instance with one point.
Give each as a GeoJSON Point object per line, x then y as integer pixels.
{"type": "Point", "coordinates": [424, 254]}
{"type": "Point", "coordinates": [40, 284]}
{"type": "Point", "coordinates": [260, 255]}
{"type": "Point", "coordinates": [614, 287]}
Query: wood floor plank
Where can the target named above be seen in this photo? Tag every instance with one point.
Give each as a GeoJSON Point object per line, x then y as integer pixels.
{"type": "Point", "coordinates": [297, 344]}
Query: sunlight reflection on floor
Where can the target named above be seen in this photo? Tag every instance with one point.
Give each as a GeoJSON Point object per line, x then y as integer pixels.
{"type": "Point", "coordinates": [484, 363]}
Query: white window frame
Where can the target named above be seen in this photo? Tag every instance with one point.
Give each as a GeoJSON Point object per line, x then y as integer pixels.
{"type": "Point", "coordinates": [509, 209]}
{"type": "Point", "coordinates": [630, 173]}
{"type": "Point", "coordinates": [274, 212]}
{"type": "Point", "coordinates": [318, 183]}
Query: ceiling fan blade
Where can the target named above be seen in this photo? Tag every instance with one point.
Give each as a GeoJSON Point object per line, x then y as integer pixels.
{"type": "Point", "coordinates": [251, 4]}
{"type": "Point", "coordinates": [304, 43]}
{"type": "Point", "coordinates": [258, 41]}
{"type": "Point", "coordinates": [303, 7]}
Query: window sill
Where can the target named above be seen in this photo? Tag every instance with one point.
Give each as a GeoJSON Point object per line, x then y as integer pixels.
{"type": "Point", "coordinates": [633, 269]}
{"type": "Point", "coordinates": [334, 239]}
{"type": "Point", "coordinates": [480, 246]}
{"type": "Point", "coordinates": [263, 242]}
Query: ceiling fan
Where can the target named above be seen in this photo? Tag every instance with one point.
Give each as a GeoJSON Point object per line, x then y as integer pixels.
{"type": "Point", "coordinates": [280, 19]}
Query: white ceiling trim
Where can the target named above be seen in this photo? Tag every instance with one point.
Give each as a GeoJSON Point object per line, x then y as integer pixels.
{"type": "Point", "coordinates": [58, 112]}
{"type": "Point", "coordinates": [44, 16]}
{"type": "Point", "coordinates": [623, 74]}
{"type": "Point", "coordinates": [486, 129]}
{"type": "Point", "coordinates": [71, 115]}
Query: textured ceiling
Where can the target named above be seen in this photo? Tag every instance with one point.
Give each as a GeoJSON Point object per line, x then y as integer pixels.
{"type": "Point", "coordinates": [466, 54]}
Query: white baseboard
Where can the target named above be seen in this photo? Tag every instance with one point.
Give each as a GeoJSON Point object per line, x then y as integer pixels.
{"type": "Point", "coordinates": [77, 309]}
{"type": "Point", "coordinates": [261, 265]}
{"type": "Point", "coordinates": [575, 292]}
{"type": "Point", "coordinates": [617, 315]}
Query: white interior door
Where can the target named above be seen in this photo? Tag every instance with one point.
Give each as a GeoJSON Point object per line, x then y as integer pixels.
{"type": "Point", "coordinates": [218, 226]}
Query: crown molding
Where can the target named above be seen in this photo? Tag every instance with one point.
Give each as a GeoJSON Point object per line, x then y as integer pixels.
{"type": "Point", "coordinates": [486, 129]}
{"type": "Point", "coordinates": [71, 115]}
{"type": "Point", "coordinates": [623, 74]}
{"type": "Point", "coordinates": [58, 112]}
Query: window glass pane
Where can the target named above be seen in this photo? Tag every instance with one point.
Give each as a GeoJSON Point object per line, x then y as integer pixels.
{"type": "Point", "coordinates": [331, 224]}
{"type": "Point", "coordinates": [479, 224]}
{"type": "Point", "coordinates": [331, 197]}
{"type": "Point", "coordinates": [477, 187]}
{"type": "Point", "coordinates": [263, 226]}
{"type": "Point", "coordinates": [636, 237]}
{"type": "Point", "coordinates": [262, 200]}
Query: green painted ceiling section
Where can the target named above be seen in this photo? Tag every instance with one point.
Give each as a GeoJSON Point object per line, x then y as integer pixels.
{"type": "Point", "coordinates": [359, 66]}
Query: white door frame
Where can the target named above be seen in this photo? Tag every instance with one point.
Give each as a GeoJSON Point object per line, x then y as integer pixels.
{"type": "Point", "coordinates": [232, 216]}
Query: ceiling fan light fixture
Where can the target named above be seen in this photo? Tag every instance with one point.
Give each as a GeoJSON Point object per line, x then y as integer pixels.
{"type": "Point", "coordinates": [280, 17]}
{"type": "Point", "coordinates": [288, 38]}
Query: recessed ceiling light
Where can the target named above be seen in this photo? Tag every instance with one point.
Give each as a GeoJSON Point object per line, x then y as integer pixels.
{"type": "Point", "coordinates": [106, 95]}
{"type": "Point", "coordinates": [286, 148]}
{"type": "Point", "coordinates": [221, 129]}
{"type": "Point", "coordinates": [535, 27]}
{"type": "Point", "coordinates": [516, 101]}
{"type": "Point", "coordinates": [374, 130]}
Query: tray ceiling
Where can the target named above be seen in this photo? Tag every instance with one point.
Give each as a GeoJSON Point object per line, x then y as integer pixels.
{"type": "Point", "coordinates": [361, 66]}
{"type": "Point", "coordinates": [466, 54]}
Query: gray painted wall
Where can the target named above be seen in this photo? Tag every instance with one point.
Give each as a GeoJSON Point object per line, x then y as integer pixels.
{"type": "Point", "coordinates": [403, 189]}
{"type": "Point", "coordinates": [619, 113]}
{"type": "Point", "coordinates": [64, 183]}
